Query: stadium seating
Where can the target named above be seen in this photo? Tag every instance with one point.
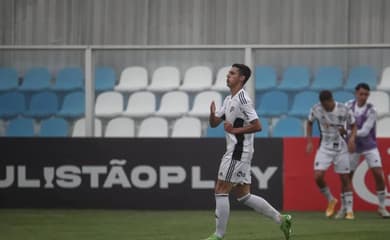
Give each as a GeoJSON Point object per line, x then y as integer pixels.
{"type": "Point", "coordinates": [8, 79]}
{"type": "Point", "coordinates": [265, 78]}
{"type": "Point", "coordinates": [2, 128]}
{"type": "Point", "coordinates": [105, 79]}
{"type": "Point", "coordinates": [295, 78]}
{"type": "Point", "coordinates": [153, 127]}
{"type": "Point", "coordinates": [187, 127]}
{"type": "Point", "coordinates": [273, 103]}
{"type": "Point", "coordinates": [302, 103]}
{"type": "Point", "coordinates": [73, 105]}
{"type": "Point", "coordinates": [384, 83]}
{"type": "Point", "coordinates": [330, 78]}
{"type": "Point", "coordinates": [54, 127]}
{"type": "Point", "coordinates": [342, 96]}
{"type": "Point", "coordinates": [20, 127]}
{"type": "Point", "coordinates": [383, 127]}
{"type": "Point", "coordinates": [264, 129]}
{"type": "Point", "coordinates": [12, 104]}
{"type": "Point", "coordinates": [120, 127]}
{"type": "Point", "coordinates": [69, 79]}
{"type": "Point", "coordinates": [109, 104]}
{"type": "Point", "coordinates": [141, 105]}
{"type": "Point", "coordinates": [173, 104]}
{"type": "Point", "coordinates": [36, 79]}
{"type": "Point", "coordinates": [42, 104]}
{"type": "Point", "coordinates": [202, 101]}
{"type": "Point", "coordinates": [361, 74]}
{"type": "Point", "coordinates": [132, 79]}
{"type": "Point", "coordinates": [79, 128]}
{"type": "Point", "coordinates": [165, 79]}
{"type": "Point", "coordinates": [381, 102]}
{"type": "Point", "coordinates": [288, 127]}
{"type": "Point", "coordinates": [217, 132]}
{"type": "Point", "coordinates": [220, 82]}
{"type": "Point", "coordinates": [197, 78]}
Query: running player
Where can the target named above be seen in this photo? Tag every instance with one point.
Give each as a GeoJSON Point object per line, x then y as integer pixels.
{"type": "Point", "coordinates": [240, 123]}
{"type": "Point", "coordinates": [332, 116]}
{"type": "Point", "coordinates": [365, 115]}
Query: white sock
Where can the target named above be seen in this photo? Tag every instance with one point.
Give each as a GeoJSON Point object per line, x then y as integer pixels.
{"type": "Point", "coordinates": [261, 206]}
{"type": "Point", "coordinates": [342, 204]}
{"type": "Point", "coordinates": [326, 192]}
{"type": "Point", "coordinates": [381, 198]}
{"type": "Point", "coordinates": [348, 201]}
{"type": "Point", "coordinates": [222, 210]}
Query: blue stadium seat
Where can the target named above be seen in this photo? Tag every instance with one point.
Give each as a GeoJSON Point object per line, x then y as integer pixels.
{"type": "Point", "coordinates": [295, 78]}
{"type": "Point", "coordinates": [288, 127]}
{"type": "Point", "coordinates": [104, 79]}
{"type": "Point", "coordinates": [73, 106]}
{"type": "Point", "coordinates": [12, 104]}
{"type": "Point", "coordinates": [274, 103]}
{"type": "Point", "coordinates": [54, 127]}
{"type": "Point", "coordinates": [316, 129]}
{"type": "Point", "coordinates": [69, 79]}
{"type": "Point", "coordinates": [302, 103]}
{"type": "Point", "coordinates": [20, 127]}
{"type": "Point", "coordinates": [330, 78]}
{"type": "Point", "coordinates": [265, 78]}
{"type": "Point", "coordinates": [264, 129]}
{"type": "Point", "coordinates": [36, 79]}
{"type": "Point", "coordinates": [360, 74]}
{"type": "Point", "coordinates": [343, 96]}
{"type": "Point", "coordinates": [218, 132]}
{"type": "Point", "coordinates": [43, 104]}
{"type": "Point", "coordinates": [8, 79]}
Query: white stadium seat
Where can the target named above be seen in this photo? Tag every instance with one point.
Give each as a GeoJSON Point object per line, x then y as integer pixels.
{"type": "Point", "coordinates": [120, 127]}
{"type": "Point", "coordinates": [381, 102]}
{"type": "Point", "coordinates": [165, 79]}
{"type": "Point", "coordinates": [132, 79]}
{"type": "Point", "coordinates": [153, 127]}
{"type": "Point", "coordinates": [187, 127]}
{"type": "Point", "coordinates": [141, 105]}
{"type": "Point", "coordinates": [202, 103]}
{"type": "Point", "coordinates": [220, 82]}
{"type": "Point", "coordinates": [384, 83]}
{"type": "Point", "coordinates": [197, 78]}
{"type": "Point", "coordinates": [173, 104]}
{"type": "Point", "coordinates": [383, 127]}
{"type": "Point", "coordinates": [79, 128]}
{"type": "Point", "coordinates": [109, 104]}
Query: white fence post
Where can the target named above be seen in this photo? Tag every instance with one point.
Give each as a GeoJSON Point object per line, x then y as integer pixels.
{"type": "Point", "coordinates": [89, 94]}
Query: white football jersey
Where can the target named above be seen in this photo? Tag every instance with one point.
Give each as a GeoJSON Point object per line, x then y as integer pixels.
{"type": "Point", "coordinates": [239, 111]}
{"type": "Point", "coordinates": [330, 122]}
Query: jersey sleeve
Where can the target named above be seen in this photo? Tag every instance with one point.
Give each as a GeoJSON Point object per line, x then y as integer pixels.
{"type": "Point", "coordinates": [368, 124]}
{"type": "Point", "coordinates": [249, 111]}
{"type": "Point", "coordinates": [221, 112]}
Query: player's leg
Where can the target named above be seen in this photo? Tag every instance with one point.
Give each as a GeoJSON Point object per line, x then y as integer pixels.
{"type": "Point", "coordinates": [342, 167]}
{"type": "Point", "coordinates": [322, 162]}
{"type": "Point", "coordinates": [374, 162]}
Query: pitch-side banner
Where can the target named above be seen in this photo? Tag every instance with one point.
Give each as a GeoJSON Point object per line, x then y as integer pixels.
{"type": "Point", "coordinates": [301, 192]}
{"type": "Point", "coordinates": [125, 173]}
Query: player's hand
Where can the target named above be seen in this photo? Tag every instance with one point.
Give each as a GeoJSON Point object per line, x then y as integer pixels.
{"type": "Point", "coordinates": [309, 147]}
{"type": "Point", "coordinates": [212, 108]}
{"type": "Point", "coordinates": [228, 127]}
{"type": "Point", "coordinates": [342, 131]}
{"type": "Point", "coordinates": [351, 145]}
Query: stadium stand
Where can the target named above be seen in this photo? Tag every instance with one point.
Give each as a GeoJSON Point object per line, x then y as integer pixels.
{"type": "Point", "coordinates": [73, 105]}
{"type": "Point", "coordinates": [264, 129]}
{"type": "Point", "coordinates": [197, 78]}
{"type": "Point", "coordinates": [330, 78]}
{"type": "Point", "coordinates": [201, 106]}
{"type": "Point", "coordinates": [109, 104]}
{"type": "Point", "coordinates": [361, 74]}
{"type": "Point", "coordinates": [265, 78]}
{"type": "Point", "coordinates": [381, 101]}
{"type": "Point", "coordinates": [165, 79]}
{"type": "Point", "coordinates": [120, 127]}
{"type": "Point", "coordinates": [186, 127]}
{"type": "Point", "coordinates": [20, 127]}
{"type": "Point", "coordinates": [133, 79]}
{"type": "Point", "coordinates": [36, 79]}
{"type": "Point", "coordinates": [54, 127]}
{"type": "Point", "coordinates": [295, 78]}
{"type": "Point", "coordinates": [383, 127]}
{"type": "Point", "coordinates": [342, 96]}
{"type": "Point", "coordinates": [79, 128]}
{"type": "Point", "coordinates": [42, 104]}
{"type": "Point", "coordinates": [8, 79]}
{"type": "Point", "coordinates": [12, 104]}
{"type": "Point", "coordinates": [141, 105]}
{"type": "Point", "coordinates": [105, 79]}
{"type": "Point", "coordinates": [220, 82]}
{"type": "Point", "coordinates": [153, 127]}
{"type": "Point", "coordinates": [288, 127]}
{"type": "Point", "coordinates": [217, 132]}
{"type": "Point", "coordinates": [273, 103]}
{"type": "Point", "coordinates": [302, 103]}
{"type": "Point", "coordinates": [384, 83]}
{"type": "Point", "coordinates": [173, 104]}
{"type": "Point", "coordinates": [69, 79]}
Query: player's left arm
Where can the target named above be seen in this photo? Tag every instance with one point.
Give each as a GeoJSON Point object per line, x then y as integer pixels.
{"type": "Point", "coordinates": [368, 124]}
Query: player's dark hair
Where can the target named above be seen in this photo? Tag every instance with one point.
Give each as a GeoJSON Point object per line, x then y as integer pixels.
{"type": "Point", "coordinates": [325, 95]}
{"type": "Point", "coordinates": [244, 71]}
{"type": "Point", "coordinates": [362, 85]}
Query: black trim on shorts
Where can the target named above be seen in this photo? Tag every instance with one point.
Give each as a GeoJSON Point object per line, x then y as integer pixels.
{"type": "Point", "coordinates": [230, 171]}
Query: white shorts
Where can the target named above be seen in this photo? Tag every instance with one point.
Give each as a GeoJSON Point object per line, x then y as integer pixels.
{"type": "Point", "coordinates": [372, 158]}
{"type": "Point", "coordinates": [236, 172]}
{"type": "Point", "coordinates": [340, 159]}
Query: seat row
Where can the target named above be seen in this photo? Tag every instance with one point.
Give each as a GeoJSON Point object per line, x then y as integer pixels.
{"type": "Point", "coordinates": [116, 127]}
{"type": "Point", "coordinates": [296, 78]}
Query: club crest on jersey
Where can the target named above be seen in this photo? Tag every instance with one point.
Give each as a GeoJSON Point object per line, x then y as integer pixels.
{"type": "Point", "coordinates": [232, 109]}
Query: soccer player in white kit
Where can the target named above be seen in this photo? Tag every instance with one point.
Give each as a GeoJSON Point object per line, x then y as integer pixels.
{"type": "Point", "coordinates": [332, 118]}
{"type": "Point", "coordinates": [234, 174]}
{"type": "Point", "coordinates": [366, 145]}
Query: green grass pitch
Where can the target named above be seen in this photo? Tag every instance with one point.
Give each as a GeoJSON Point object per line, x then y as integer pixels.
{"type": "Point", "coordinates": [178, 225]}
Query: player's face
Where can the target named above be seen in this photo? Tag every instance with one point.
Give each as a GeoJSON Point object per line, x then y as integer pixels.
{"type": "Point", "coordinates": [361, 96]}
{"type": "Point", "coordinates": [328, 105]}
{"type": "Point", "coordinates": [234, 78]}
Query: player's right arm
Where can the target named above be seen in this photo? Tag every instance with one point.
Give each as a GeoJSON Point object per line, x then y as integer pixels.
{"type": "Point", "coordinates": [214, 121]}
